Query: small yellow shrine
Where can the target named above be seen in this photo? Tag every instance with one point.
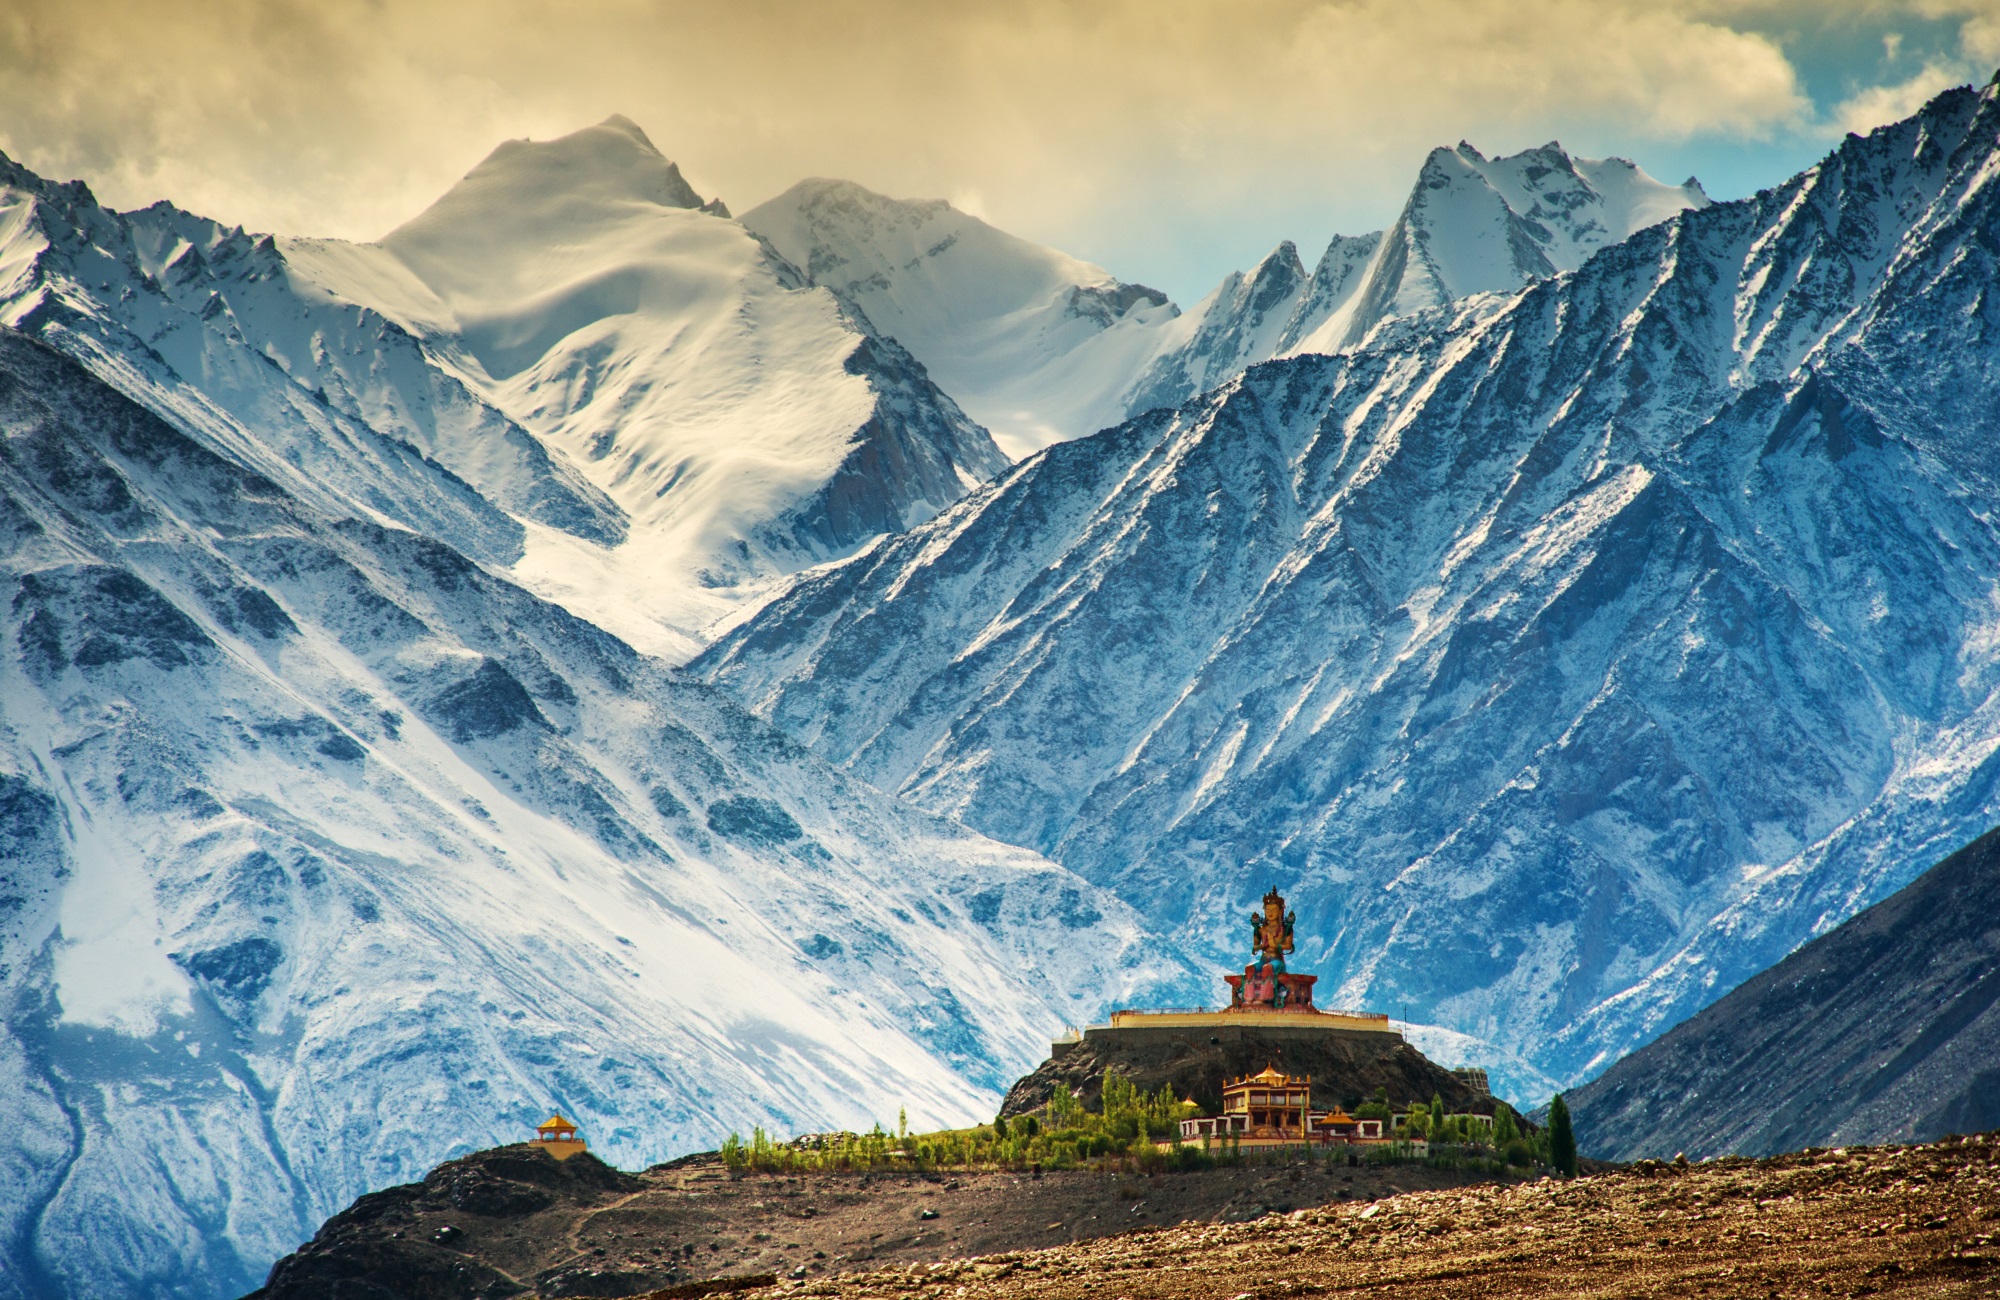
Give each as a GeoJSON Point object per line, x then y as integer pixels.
{"type": "Point", "coordinates": [557, 1136]}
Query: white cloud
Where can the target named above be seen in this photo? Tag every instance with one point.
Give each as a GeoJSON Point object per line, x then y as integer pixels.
{"type": "Point", "coordinates": [344, 116]}
{"type": "Point", "coordinates": [1978, 51]}
{"type": "Point", "coordinates": [1880, 105]}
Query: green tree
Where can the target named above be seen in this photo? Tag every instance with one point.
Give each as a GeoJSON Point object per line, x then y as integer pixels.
{"type": "Point", "coordinates": [1562, 1139]}
{"type": "Point", "coordinates": [1120, 1097]}
{"type": "Point", "coordinates": [1064, 1108]}
{"type": "Point", "coordinates": [1505, 1127]}
{"type": "Point", "coordinates": [999, 1128]}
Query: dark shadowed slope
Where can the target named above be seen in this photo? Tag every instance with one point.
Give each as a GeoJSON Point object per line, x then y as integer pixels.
{"type": "Point", "coordinates": [1885, 1030]}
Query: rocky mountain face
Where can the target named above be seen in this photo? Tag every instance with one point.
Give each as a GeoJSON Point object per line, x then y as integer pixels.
{"type": "Point", "coordinates": [1569, 657]}
{"type": "Point", "coordinates": [1885, 1030]}
{"type": "Point", "coordinates": [326, 851]}
{"type": "Point", "coordinates": [1472, 225]}
{"type": "Point", "coordinates": [1035, 344]}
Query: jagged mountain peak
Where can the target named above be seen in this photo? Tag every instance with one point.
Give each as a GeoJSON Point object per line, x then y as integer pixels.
{"type": "Point", "coordinates": [1472, 224]}
{"type": "Point", "coordinates": [1032, 342]}
{"type": "Point", "coordinates": [1282, 259]}
{"type": "Point", "coordinates": [824, 193]}
{"type": "Point", "coordinates": [832, 229]}
{"type": "Point", "coordinates": [620, 122]}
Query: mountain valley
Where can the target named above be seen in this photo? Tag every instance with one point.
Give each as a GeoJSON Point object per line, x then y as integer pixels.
{"type": "Point", "coordinates": [587, 648]}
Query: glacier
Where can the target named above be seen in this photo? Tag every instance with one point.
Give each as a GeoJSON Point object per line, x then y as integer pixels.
{"type": "Point", "coordinates": [1570, 653]}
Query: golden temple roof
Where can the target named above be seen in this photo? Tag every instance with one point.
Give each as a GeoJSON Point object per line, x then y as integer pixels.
{"type": "Point", "coordinates": [555, 1121]}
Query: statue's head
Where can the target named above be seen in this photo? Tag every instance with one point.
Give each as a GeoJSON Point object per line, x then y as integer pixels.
{"type": "Point", "coordinates": [1274, 905]}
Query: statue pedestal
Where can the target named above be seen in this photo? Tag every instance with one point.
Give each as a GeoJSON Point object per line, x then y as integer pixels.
{"type": "Point", "coordinates": [1258, 986]}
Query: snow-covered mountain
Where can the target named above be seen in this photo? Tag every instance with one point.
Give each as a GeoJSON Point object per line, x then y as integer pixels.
{"type": "Point", "coordinates": [1569, 655]}
{"type": "Point", "coordinates": [1035, 344]}
{"type": "Point", "coordinates": [416, 855]}
{"type": "Point", "coordinates": [654, 413]}
{"type": "Point", "coordinates": [1041, 347]}
{"type": "Point", "coordinates": [1472, 225]}
{"type": "Point", "coordinates": [326, 852]}
{"type": "Point", "coordinates": [745, 421]}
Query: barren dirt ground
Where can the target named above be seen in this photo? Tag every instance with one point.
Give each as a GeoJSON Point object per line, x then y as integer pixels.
{"type": "Point", "coordinates": [1906, 1221]}
{"type": "Point", "coordinates": [699, 1222]}
{"type": "Point", "coordinates": [1891, 1221]}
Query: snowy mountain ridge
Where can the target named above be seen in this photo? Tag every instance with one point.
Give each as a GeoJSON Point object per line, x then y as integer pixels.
{"type": "Point", "coordinates": [1032, 342]}
{"type": "Point", "coordinates": [651, 411]}
{"type": "Point", "coordinates": [1570, 654]}
{"type": "Point", "coordinates": [1471, 225]}
{"type": "Point", "coordinates": [745, 422]}
{"type": "Point", "coordinates": [1041, 347]}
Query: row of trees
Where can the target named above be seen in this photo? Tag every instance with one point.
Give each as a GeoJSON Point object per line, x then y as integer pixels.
{"type": "Point", "coordinates": [1129, 1129]}
{"type": "Point", "coordinates": [1066, 1135]}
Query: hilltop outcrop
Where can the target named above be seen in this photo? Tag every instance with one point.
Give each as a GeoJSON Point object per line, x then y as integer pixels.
{"type": "Point", "coordinates": [1346, 1068]}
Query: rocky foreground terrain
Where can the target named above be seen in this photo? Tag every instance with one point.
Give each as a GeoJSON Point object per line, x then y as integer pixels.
{"type": "Point", "coordinates": [1894, 1221]}
{"type": "Point", "coordinates": [512, 1220]}
{"type": "Point", "coordinates": [1900, 1221]}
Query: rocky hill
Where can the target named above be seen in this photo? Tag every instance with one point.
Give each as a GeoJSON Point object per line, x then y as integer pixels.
{"type": "Point", "coordinates": [1346, 1068]}
{"type": "Point", "coordinates": [1885, 1030]}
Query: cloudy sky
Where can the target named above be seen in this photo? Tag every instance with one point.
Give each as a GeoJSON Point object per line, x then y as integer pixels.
{"type": "Point", "coordinates": [1169, 140]}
